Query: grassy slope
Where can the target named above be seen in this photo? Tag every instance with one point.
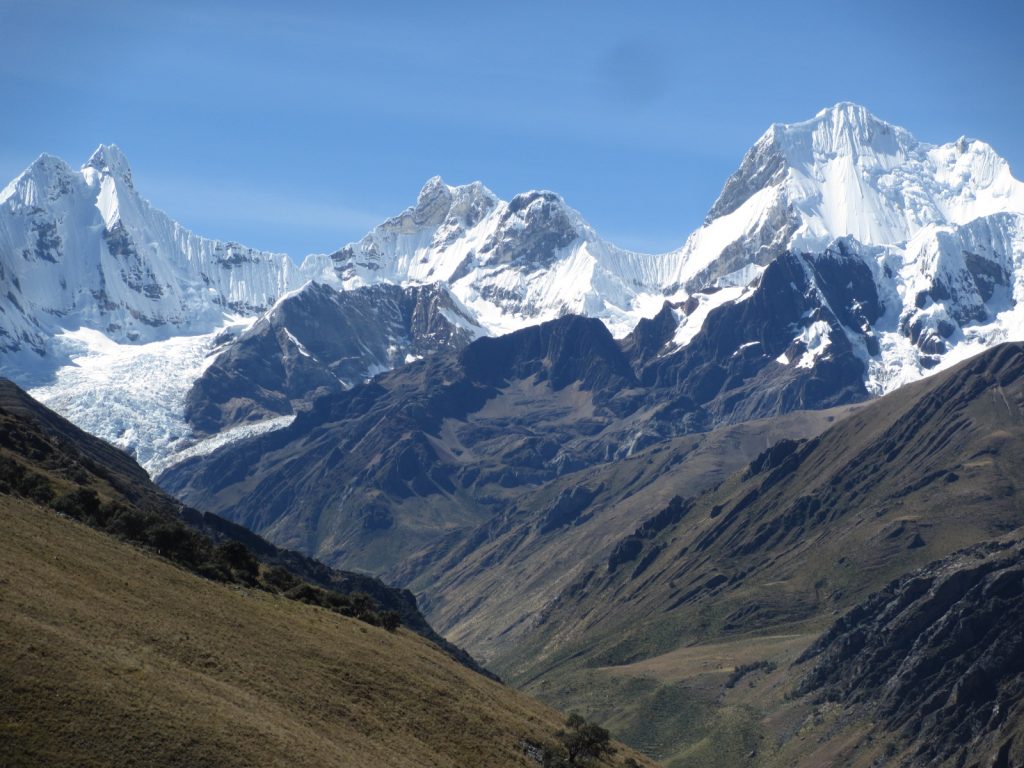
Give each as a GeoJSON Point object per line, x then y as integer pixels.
{"type": "Point", "coordinates": [66, 459]}
{"type": "Point", "coordinates": [906, 480]}
{"type": "Point", "coordinates": [110, 655]}
{"type": "Point", "coordinates": [491, 597]}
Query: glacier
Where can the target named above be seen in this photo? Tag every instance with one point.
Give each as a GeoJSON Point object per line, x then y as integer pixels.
{"type": "Point", "coordinates": [110, 309]}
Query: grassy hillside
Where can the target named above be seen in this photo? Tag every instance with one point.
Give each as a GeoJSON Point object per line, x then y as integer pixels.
{"type": "Point", "coordinates": [130, 638]}
{"type": "Point", "coordinates": [741, 579]}
{"type": "Point", "coordinates": [488, 591]}
{"type": "Point", "coordinates": [46, 459]}
{"type": "Point", "coordinates": [110, 655]}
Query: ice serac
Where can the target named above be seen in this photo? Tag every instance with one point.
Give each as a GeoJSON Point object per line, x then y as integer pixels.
{"type": "Point", "coordinates": [82, 249]}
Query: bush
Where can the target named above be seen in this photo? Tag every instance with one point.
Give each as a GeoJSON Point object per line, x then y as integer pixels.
{"type": "Point", "coordinates": [280, 579]}
{"type": "Point", "coordinates": [745, 669]}
{"type": "Point", "coordinates": [214, 571]}
{"type": "Point", "coordinates": [390, 620]}
{"type": "Point", "coordinates": [37, 488]}
{"type": "Point", "coordinates": [582, 743]}
{"type": "Point", "coordinates": [237, 557]}
{"type": "Point", "coordinates": [81, 504]}
{"type": "Point", "coordinates": [127, 522]}
{"type": "Point", "coordinates": [175, 542]}
{"type": "Point", "coordinates": [307, 593]}
{"type": "Point", "coordinates": [15, 478]}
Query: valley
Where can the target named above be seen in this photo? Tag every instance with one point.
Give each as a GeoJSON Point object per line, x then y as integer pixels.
{"type": "Point", "coordinates": [755, 501]}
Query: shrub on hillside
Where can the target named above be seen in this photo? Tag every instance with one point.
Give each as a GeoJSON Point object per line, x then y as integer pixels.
{"type": "Point", "coordinates": [17, 479]}
{"type": "Point", "coordinates": [280, 579]}
{"type": "Point", "coordinates": [177, 543]}
{"type": "Point", "coordinates": [390, 620]}
{"type": "Point", "coordinates": [129, 523]}
{"type": "Point", "coordinates": [581, 744]}
{"type": "Point", "coordinates": [240, 560]}
{"type": "Point", "coordinates": [745, 669]}
{"type": "Point", "coordinates": [81, 504]}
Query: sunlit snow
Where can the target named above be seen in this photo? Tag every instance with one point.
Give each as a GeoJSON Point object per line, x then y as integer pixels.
{"type": "Point", "coordinates": [100, 256]}
{"type": "Point", "coordinates": [132, 395]}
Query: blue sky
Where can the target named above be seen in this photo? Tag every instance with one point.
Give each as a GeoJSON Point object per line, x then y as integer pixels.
{"type": "Point", "coordinates": [297, 126]}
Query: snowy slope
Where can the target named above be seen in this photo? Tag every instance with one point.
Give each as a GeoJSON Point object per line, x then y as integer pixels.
{"type": "Point", "coordinates": [131, 395]}
{"type": "Point", "coordinates": [940, 230]}
{"type": "Point", "coordinates": [81, 249]}
{"type": "Point", "coordinates": [845, 173]}
{"type": "Point", "coordinates": [511, 263]}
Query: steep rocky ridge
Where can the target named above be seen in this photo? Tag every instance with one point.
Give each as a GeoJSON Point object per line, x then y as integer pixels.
{"type": "Point", "coordinates": [376, 472]}
{"type": "Point", "coordinates": [493, 586]}
{"type": "Point", "coordinates": [935, 660]}
{"type": "Point", "coordinates": [426, 453]}
{"type": "Point", "coordinates": [766, 559]}
{"type": "Point", "coordinates": [319, 340]}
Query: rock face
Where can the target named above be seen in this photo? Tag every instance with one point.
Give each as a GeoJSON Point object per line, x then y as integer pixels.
{"type": "Point", "coordinates": [319, 340]}
{"type": "Point", "coordinates": [447, 438]}
{"type": "Point", "coordinates": [794, 341]}
{"type": "Point", "coordinates": [376, 472]}
{"type": "Point", "coordinates": [937, 658]}
{"type": "Point", "coordinates": [807, 528]}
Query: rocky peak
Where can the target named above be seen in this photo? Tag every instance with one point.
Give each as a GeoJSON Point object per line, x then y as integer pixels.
{"type": "Point", "coordinates": [561, 352]}
{"type": "Point", "coordinates": [433, 202]}
{"type": "Point", "coordinates": [109, 160]}
{"type": "Point", "coordinates": [651, 335]}
{"type": "Point", "coordinates": [42, 182]}
{"type": "Point", "coordinates": [846, 130]}
{"type": "Point", "coordinates": [533, 228]}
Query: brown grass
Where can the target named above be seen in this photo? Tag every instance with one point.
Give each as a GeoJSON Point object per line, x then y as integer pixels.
{"type": "Point", "coordinates": [111, 656]}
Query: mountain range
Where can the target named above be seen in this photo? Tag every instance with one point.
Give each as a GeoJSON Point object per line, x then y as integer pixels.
{"type": "Point", "coordinates": [930, 238]}
{"type": "Point", "coordinates": [675, 491]}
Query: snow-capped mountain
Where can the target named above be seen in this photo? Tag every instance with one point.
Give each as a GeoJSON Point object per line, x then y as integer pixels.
{"type": "Point", "coordinates": [845, 173]}
{"type": "Point", "coordinates": [939, 226]}
{"type": "Point", "coordinates": [904, 256]}
{"type": "Point", "coordinates": [317, 340]}
{"type": "Point", "coordinates": [512, 263]}
{"type": "Point", "coordinates": [82, 249]}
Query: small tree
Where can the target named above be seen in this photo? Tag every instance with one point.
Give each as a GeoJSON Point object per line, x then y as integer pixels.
{"type": "Point", "coordinates": [582, 742]}
{"type": "Point", "coordinates": [240, 560]}
{"type": "Point", "coordinates": [390, 620]}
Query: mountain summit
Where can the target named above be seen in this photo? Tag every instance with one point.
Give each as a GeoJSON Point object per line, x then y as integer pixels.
{"type": "Point", "coordinates": [847, 173]}
{"type": "Point", "coordinates": [904, 258]}
{"type": "Point", "coordinates": [84, 250]}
